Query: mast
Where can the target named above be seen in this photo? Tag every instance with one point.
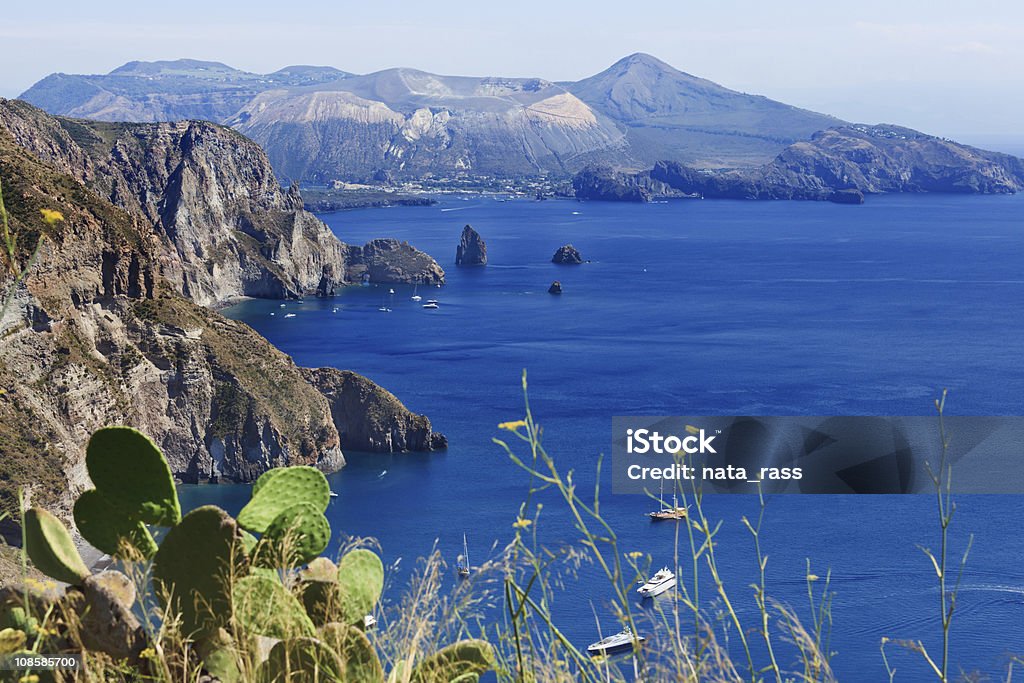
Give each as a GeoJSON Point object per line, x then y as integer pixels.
{"type": "Point", "coordinates": [465, 550]}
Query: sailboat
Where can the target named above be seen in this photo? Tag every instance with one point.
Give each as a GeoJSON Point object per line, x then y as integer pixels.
{"type": "Point", "coordinates": [384, 308]}
{"type": "Point", "coordinates": [415, 293]}
{"type": "Point", "coordinates": [667, 513]}
{"type": "Point", "coordinates": [462, 563]}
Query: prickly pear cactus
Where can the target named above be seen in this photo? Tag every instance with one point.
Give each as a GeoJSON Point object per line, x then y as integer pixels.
{"type": "Point", "coordinates": [264, 607]}
{"type": "Point", "coordinates": [464, 661]}
{"type": "Point", "coordinates": [301, 660]}
{"type": "Point", "coordinates": [296, 536]}
{"type": "Point", "coordinates": [51, 549]}
{"type": "Point", "coordinates": [361, 581]}
{"type": "Point", "coordinates": [133, 475]}
{"type": "Point", "coordinates": [194, 568]}
{"type": "Point", "coordinates": [111, 530]}
{"type": "Point", "coordinates": [359, 661]}
{"type": "Point", "coordinates": [277, 490]}
{"type": "Point", "coordinates": [220, 656]}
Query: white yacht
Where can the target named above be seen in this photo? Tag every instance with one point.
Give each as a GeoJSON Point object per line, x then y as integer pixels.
{"type": "Point", "coordinates": [620, 641]}
{"type": "Point", "coordinates": [431, 305]}
{"type": "Point", "coordinates": [415, 293]}
{"type": "Point", "coordinates": [658, 584]}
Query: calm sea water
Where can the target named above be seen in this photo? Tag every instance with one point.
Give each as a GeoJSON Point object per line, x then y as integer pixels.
{"type": "Point", "coordinates": [693, 307]}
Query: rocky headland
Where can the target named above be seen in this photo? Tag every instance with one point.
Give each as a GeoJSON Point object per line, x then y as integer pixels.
{"type": "Point", "coordinates": [841, 164]}
{"type": "Point", "coordinates": [113, 324]}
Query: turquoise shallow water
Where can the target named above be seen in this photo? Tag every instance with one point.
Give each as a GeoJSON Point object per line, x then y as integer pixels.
{"type": "Point", "coordinates": [693, 307]}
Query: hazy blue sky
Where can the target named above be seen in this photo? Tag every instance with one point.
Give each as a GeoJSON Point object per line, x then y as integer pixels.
{"type": "Point", "coordinates": [950, 68]}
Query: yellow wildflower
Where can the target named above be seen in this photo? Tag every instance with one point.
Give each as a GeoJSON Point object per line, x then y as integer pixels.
{"type": "Point", "coordinates": [148, 653]}
{"type": "Point", "coordinates": [51, 217]}
{"type": "Point", "coordinates": [522, 523]}
{"type": "Point", "coordinates": [692, 430]}
{"type": "Point", "coordinates": [635, 555]}
{"type": "Point", "coordinates": [31, 678]}
{"type": "Point", "coordinates": [512, 426]}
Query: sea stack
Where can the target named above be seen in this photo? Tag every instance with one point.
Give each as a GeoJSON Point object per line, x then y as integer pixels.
{"type": "Point", "coordinates": [472, 250]}
{"type": "Point", "coordinates": [555, 288]}
{"type": "Point", "coordinates": [567, 255]}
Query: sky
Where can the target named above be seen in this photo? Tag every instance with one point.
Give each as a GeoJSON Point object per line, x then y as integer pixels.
{"type": "Point", "coordinates": [949, 68]}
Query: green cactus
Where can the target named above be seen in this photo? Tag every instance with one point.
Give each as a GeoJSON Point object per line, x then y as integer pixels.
{"type": "Point", "coordinates": [51, 549]}
{"type": "Point", "coordinates": [361, 581]}
{"type": "Point", "coordinates": [264, 607]}
{"type": "Point", "coordinates": [463, 661]}
{"type": "Point", "coordinates": [277, 490]}
{"type": "Point", "coordinates": [359, 661]}
{"type": "Point", "coordinates": [220, 657]}
{"type": "Point", "coordinates": [301, 660]}
{"type": "Point", "coordinates": [110, 530]}
{"type": "Point", "coordinates": [193, 569]}
{"type": "Point", "coordinates": [133, 475]}
{"type": "Point", "coordinates": [296, 536]}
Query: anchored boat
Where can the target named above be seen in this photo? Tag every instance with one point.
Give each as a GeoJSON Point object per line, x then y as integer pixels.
{"type": "Point", "coordinates": [658, 584]}
{"type": "Point", "coordinates": [622, 640]}
{"type": "Point", "coordinates": [462, 563]}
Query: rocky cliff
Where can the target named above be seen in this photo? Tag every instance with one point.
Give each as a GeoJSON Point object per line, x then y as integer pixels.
{"type": "Point", "coordinates": [212, 197]}
{"type": "Point", "coordinates": [107, 328]}
{"type": "Point", "coordinates": [369, 418]}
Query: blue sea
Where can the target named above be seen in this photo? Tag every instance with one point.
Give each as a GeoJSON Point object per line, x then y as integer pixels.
{"type": "Point", "coordinates": [693, 307]}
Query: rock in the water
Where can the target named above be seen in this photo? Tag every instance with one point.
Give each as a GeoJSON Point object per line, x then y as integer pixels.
{"type": "Point", "coordinates": [472, 250]}
{"type": "Point", "coordinates": [388, 260]}
{"type": "Point", "coordinates": [567, 255]}
{"type": "Point", "coordinates": [555, 288]}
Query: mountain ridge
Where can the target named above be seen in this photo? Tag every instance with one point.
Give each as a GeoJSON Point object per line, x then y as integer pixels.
{"type": "Point", "coordinates": [410, 123]}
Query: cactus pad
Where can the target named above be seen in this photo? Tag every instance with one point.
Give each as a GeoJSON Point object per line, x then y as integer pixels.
{"type": "Point", "coordinates": [193, 569]}
{"type": "Point", "coordinates": [51, 549]}
{"type": "Point", "coordinates": [359, 661]}
{"type": "Point", "coordinates": [301, 660]}
{"type": "Point", "coordinates": [265, 607]}
{"type": "Point", "coordinates": [220, 656]}
{"type": "Point", "coordinates": [110, 530]}
{"type": "Point", "coordinates": [133, 475]}
{"type": "Point", "coordinates": [277, 490]}
{"type": "Point", "coordinates": [462, 661]}
{"type": "Point", "coordinates": [361, 581]}
{"type": "Point", "coordinates": [297, 535]}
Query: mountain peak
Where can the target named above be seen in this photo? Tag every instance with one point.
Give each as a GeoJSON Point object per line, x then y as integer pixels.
{"type": "Point", "coordinates": [643, 59]}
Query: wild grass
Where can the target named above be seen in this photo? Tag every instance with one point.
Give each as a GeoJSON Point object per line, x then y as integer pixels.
{"type": "Point", "coordinates": [706, 630]}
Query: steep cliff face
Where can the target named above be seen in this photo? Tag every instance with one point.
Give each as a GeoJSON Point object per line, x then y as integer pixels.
{"type": "Point", "coordinates": [370, 418]}
{"type": "Point", "coordinates": [103, 331]}
{"type": "Point", "coordinates": [211, 195]}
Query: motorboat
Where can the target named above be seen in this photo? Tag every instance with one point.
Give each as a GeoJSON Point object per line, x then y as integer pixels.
{"type": "Point", "coordinates": [622, 640]}
{"type": "Point", "coordinates": [658, 584]}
